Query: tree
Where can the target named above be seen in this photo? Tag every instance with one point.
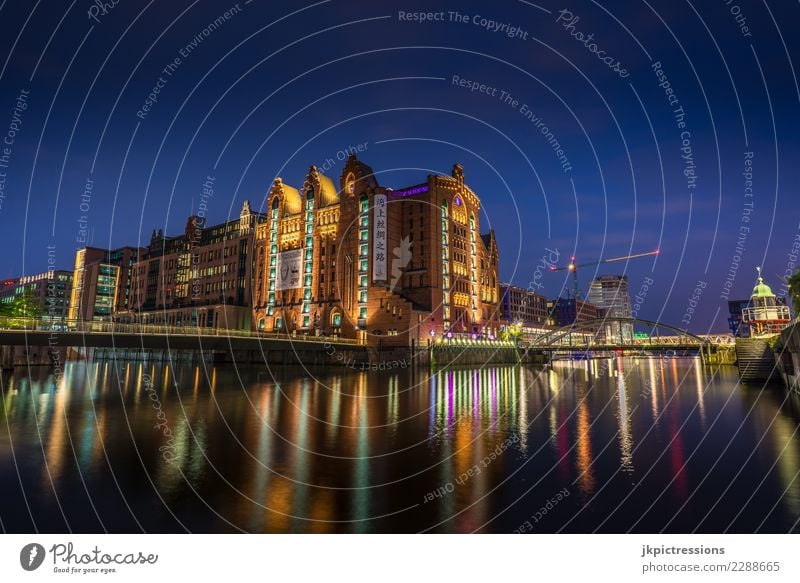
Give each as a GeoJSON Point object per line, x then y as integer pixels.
{"type": "Point", "coordinates": [511, 333]}
{"type": "Point", "coordinates": [25, 305]}
{"type": "Point", "coordinates": [794, 290]}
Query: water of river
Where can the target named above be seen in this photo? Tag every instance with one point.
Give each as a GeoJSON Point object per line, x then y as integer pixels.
{"type": "Point", "coordinates": [612, 445]}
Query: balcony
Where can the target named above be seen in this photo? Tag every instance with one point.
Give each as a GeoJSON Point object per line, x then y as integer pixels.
{"type": "Point", "coordinates": [765, 313]}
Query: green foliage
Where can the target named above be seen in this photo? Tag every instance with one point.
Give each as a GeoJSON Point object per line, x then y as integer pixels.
{"type": "Point", "coordinates": [511, 333]}
{"type": "Point", "coordinates": [774, 342]}
{"type": "Point", "coordinates": [25, 305]}
{"type": "Point", "coordinates": [794, 290]}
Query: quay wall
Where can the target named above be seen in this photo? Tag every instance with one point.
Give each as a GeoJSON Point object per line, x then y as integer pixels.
{"type": "Point", "coordinates": [787, 353]}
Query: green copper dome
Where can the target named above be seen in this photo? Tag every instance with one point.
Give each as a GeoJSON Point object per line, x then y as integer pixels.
{"type": "Point", "coordinates": [762, 290]}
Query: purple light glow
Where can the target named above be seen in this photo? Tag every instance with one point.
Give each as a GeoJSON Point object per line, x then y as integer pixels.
{"type": "Point", "coordinates": [409, 191]}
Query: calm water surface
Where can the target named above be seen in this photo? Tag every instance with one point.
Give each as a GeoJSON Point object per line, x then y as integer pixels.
{"type": "Point", "coordinates": [611, 445]}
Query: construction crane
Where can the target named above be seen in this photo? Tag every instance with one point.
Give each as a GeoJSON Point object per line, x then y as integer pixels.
{"type": "Point", "coordinates": [573, 267]}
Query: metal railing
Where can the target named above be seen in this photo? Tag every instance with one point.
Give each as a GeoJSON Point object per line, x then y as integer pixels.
{"type": "Point", "coordinates": [600, 343]}
{"type": "Point", "coordinates": [758, 313]}
{"type": "Point", "coordinates": [90, 327]}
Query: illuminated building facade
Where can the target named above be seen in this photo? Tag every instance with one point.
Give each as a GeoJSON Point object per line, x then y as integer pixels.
{"type": "Point", "coordinates": [567, 311]}
{"type": "Point", "coordinates": [387, 267]}
{"type": "Point", "coordinates": [523, 311]}
{"type": "Point", "coordinates": [102, 283]}
{"type": "Point", "coordinates": [521, 305]}
{"type": "Point", "coordinates": [610, 294]}
{"type": "Point", "coordinates": [201, 278]}
{"type": "Point", "coordinates": [49, 293]}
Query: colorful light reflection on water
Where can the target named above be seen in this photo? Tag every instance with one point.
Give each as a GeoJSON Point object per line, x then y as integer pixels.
{"type": "Point", "coordinates": [644, 445]}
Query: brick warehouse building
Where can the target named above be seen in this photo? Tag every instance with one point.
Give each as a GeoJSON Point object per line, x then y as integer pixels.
{"type": "Point", "coordinates": [387, 267]}
{"type": "Point", "coordinates": [199, 278]}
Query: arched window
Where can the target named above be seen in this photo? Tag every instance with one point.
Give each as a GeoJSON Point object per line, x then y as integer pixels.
{"type": "Point", "coordinates": [336, 319]}
{"type": "Point", "coordinates": [278, 324]}
{"type": "Point", "coordinates": [275, 203]}
{"type": "Point", "coordinates": [310, 193]}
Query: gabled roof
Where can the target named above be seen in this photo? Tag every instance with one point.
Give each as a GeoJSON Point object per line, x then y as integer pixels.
{"type": "Point", "coordinates": [328, 193]}
{"type": "Point", "coordinates": [292, 202]}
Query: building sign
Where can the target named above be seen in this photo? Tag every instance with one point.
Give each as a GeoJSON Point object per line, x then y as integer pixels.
{"type": "Point", "coordinates": [379, 239]}
{"type": "Point", "coordinates": [409, 191]}
{"type": "Point", "coordinates": [289, 270]}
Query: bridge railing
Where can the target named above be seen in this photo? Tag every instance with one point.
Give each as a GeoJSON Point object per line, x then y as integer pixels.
{"type": "Point", "coordinates": [600, 344]}
{"type": "Point", "coordinates": [591, 334]}
{"type": "Point", "coordinates": [90, 327]}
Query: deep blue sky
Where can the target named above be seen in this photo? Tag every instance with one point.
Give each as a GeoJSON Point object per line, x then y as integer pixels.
{"type": "Point", "coordinates": [259, 98]}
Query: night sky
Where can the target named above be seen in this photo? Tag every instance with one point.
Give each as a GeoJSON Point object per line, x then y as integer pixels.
{"type": "Point", "coordinates": [677, 126]}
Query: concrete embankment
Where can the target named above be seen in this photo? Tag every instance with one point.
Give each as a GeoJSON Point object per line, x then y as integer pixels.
{"type": "Point", "coordinates": [787, 353]}
{"type": "Point", "coordinates": [36, 348]}
{"type": "Point", "coordinates": [446, 355]}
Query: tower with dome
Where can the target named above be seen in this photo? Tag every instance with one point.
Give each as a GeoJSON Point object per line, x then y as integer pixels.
{"type": "Point", "coordinates": [764, 315]}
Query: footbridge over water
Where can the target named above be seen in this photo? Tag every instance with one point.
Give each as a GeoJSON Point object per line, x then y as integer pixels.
{"type": "Point", "coordinates": [631, 336]}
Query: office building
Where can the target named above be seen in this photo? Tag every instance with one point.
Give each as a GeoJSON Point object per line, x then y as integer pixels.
{"type": "Point", "coordinates": [49, 293]}
{"type": "Point", "coordinates": [102, 282]}
{"type": "Point", "coordinates": [200, 278]}
{"type": "Point", "coordinates": [609, 293]}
